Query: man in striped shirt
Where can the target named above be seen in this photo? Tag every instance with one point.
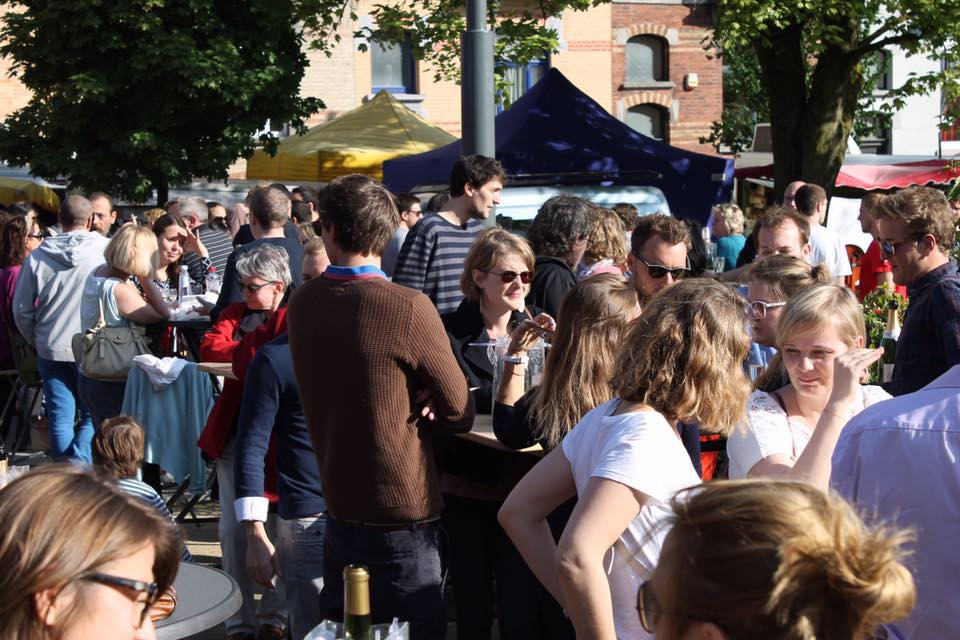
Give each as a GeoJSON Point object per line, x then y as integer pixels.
{"type": "Point", "coordinates": [433, 254]}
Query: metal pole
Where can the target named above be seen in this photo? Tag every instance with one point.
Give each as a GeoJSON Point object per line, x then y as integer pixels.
{"type": "Point", "coordinates": [476, 82]}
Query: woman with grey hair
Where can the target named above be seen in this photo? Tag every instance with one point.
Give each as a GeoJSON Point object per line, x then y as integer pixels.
{"type": "Point", "coordinates": [238, 332]}
{"type": "Point", "coordinates": [728, 224]}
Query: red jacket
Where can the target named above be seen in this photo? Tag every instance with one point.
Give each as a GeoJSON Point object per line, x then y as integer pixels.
{"type": "Point", "coordinates": [219, 345]}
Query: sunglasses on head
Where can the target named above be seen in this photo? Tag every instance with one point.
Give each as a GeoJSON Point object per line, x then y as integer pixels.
{"type": "Point", "coordinates": [658, 271]}
{"type": "Point", "coordinates": [509, 276]}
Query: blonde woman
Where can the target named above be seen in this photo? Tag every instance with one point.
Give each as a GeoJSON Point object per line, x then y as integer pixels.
{"type": "Point", "coordinates": [728, 224]}
{"type": "Point", "coordinates": [606, 247]}
{"type": "Point", "coordinates": [496, 280]}
{"type": "Point", "coordinates": [791, 432]}
{"type": "Point", "coordinates": [625, 460]}
{"type": "Point", "coordinates": [131, 252]}
{"type": "Point", "coordinates": [773, 560]}
{"type": "Point", "coordinates": [81, 559]}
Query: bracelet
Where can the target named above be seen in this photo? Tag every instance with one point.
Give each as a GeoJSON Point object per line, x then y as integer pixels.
{"type": "Point", "coordinates": [518, 359]}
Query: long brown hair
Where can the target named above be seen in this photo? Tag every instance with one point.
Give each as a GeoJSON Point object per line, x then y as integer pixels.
{"type": "Point", "coordinates": [13, 241]}
{"type": "Point", "coordinates": [683, 357]}
{"type": "Point", "coordinates": [775, 559]}
{"type": "Point", "coordinates": [164, 221]}
{"type": "Point", "coordinates": [591, 325]}
{"type": "Point", "coordinates": [60, 522]}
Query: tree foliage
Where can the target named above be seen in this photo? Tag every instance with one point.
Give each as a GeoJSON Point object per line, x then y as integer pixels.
{"type": "Point", "coordinates": [432, 29]}
{"type": "Point", "coordinates": [129, 95]}
{"type": "Point", "coordinates": [814, 58]}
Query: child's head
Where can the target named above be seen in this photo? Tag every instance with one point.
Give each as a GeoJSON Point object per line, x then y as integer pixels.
{"type": "Point", "coordinates": [118, 447]}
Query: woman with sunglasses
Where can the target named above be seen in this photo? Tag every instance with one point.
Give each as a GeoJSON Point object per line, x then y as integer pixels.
{"type": "Point", "coordinates": [235, 337]}
{"type": "Point", "coordinates": [790, 432]}
{"type": "Point", "coordinates": [773, 560]}
{"type": "Point", "coordinates": [81, 559]}
{"type": "Point", "coordinates": [474, 478]}
{"type": "Point", "coordinates": [625, 459]}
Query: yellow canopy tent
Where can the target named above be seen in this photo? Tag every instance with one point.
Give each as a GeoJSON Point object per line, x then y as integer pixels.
{"type": "Point", "coordinates": [359, 141]}
{"type": "Point", "coordinates": [17, 189]}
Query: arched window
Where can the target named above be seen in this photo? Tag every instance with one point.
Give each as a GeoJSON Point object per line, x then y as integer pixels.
{"type": "Point", "coordinates": [650, 120]}
{"type": "Point", "coordinates": [646, 60]}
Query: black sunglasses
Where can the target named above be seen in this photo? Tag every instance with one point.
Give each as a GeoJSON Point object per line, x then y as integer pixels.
{"type": "Point", "coordinates": [253, 288]}
{"type": "Point", "coordinates": [137, 586]}
{"type": "Point", "coordinates": [509, 276]}
{"type": "Point", "coordinates": [658, 271]}
{"type": "Point", "coordinates": [647, 607]}
{"type": "Point", "coordinates": [889, 248]}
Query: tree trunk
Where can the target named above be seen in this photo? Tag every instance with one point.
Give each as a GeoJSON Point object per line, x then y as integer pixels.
{"type": "Point", "coordinates": [163, 191]}
{"type": "Point", "coordinates": [782, 74]}
{"type": "Point", "coordinates": [809, 129]}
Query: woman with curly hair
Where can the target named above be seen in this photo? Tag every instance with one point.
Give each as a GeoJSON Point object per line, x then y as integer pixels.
{"type": "Point", "coordinates": [607, 246]}
{"type": "Point", "coordinates": [774, 560]}
{"type": "Point", "coordinates": [625, 460]}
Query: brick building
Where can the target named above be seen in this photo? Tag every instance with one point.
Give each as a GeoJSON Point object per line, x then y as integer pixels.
{"type": "Point", "coordinates": [642, 60]}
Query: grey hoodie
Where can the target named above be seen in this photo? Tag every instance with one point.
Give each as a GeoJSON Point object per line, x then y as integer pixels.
{"type": "Point", "coordinates": [46, 302]}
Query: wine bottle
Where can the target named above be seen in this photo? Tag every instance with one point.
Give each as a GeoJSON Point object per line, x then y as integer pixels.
{"type": "Point", "coordinates": [356, 603]}
{"type": "Point", "coordinates": [889, 342]}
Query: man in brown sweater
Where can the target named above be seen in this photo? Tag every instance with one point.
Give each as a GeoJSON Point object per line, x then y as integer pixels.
{"type": "Point", "coordinates": [381, 381]}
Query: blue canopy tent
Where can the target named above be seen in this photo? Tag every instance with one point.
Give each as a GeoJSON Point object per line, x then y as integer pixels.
{"type": "Point", "coordinates": [557, 133]}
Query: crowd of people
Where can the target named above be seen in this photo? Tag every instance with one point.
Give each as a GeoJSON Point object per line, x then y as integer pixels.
{"type": "Point", "coordinates": [367, 331]}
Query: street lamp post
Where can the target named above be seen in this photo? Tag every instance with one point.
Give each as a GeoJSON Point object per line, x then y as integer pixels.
{"type": "Point", "coordinates": [476, 82]}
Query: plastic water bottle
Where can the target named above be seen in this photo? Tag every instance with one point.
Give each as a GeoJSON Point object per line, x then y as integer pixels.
{"type": "Point", "coordinates": [183, 284]}
{"type": "Point", "coordinates": [212, 280]}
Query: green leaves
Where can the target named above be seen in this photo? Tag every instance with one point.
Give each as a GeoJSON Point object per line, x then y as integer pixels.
{"type": "Point", "coordinates": [129, 94]}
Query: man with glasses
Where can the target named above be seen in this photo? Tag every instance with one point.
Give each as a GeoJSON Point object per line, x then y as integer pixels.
{"type": "Point", "coordinates": [410, 213]}
{"type": "Point", "coordinates": [916, 233]}
{"type": "Point", "coordinates": [658, 254]}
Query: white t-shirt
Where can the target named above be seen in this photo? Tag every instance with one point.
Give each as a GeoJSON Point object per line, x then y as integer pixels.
{"type": "Point", "coordinates": [642, 451]}
{"type": "Point", "coordinates": [828, 249]}
{"type": "Point", "coordinates": [768, 430]}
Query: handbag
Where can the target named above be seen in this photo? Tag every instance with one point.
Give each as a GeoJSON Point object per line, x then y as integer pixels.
{"type": "Point", "coordinates": [106, 353]}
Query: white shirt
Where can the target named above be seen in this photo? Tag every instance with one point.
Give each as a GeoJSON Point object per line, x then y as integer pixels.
{"type": "Point", "coordinates": [642, 451]}
{"type": "Point", "coordinates": [897, 463]}
{"type": "Point", "coordinates": [767, 430]}
{"type": "Point", "coordinates": [828, 249]}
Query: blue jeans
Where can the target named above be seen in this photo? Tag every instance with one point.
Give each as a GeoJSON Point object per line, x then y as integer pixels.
{"type": "Point", "coordinates": [406, 573]}
{"type": "Point", "coordinates": [67, 438]}
{"type": "Point", "coordinates": [104, 398]}
{"type": "Point", "coordinates": [300, 547]}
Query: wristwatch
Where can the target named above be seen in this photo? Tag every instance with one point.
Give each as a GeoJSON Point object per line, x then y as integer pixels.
{"type": "Point", "coordinates": [520, 359]}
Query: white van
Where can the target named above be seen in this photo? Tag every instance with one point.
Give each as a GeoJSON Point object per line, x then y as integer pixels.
{"type": "Point", "coordinates": [522, 202]}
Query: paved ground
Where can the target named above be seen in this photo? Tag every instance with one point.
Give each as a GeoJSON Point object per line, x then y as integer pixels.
{"type": "Point", "coordinates": [205, 548]}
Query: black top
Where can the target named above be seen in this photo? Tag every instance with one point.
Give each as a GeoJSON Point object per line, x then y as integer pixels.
{"type": "Point", "coordinates": [552, 279]}
{"type": "Point", "coordinates": [465, 327]}
{"type": "Point", "coordinates": [245, 236]}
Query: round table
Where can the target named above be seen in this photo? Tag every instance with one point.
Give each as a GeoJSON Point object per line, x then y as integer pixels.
{"type": "Point", "coordinates": [205, 598]}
